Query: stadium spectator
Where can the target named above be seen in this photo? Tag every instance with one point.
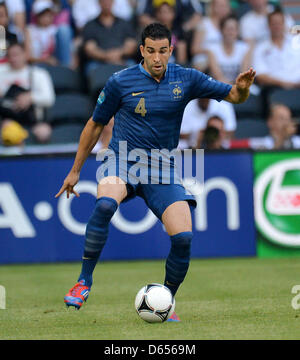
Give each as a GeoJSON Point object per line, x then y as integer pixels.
{"type": "Point", "coordinates": [25, 92]}
{"type": "Point", "coordinates": [9, 36]}
{"type": "Point", "coordinates": [48, 40]}
{"type": "Point", "coordinates": [195, 117]}
{"type": "Point", "coordinates": [230, 57]}
{"type": "Point", "coordinates": [282, 129]}
{"type": "Point", "coordinates": [277, 61]}
{"type": "Point", "coordinates": [108, 39]}
{"type": "Point", "coordinates": [208, 32]}
{"type": "Point", "coordinates": [188, 12]}
{"type": "Point", "coordinates": [17, 17]}
{"type": "Point", "coordinates": [254, 24]}
{"type": "Point", "coordinates": [214, 135]}
{"type": "Point", "coordinates": [64, 37]}
{"type": "Point", "coordinates": [82, 13]}
{"type": "Point", "coordinates": [165, 14]}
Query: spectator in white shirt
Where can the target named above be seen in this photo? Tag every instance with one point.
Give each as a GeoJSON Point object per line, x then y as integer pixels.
{"type": "Point", "coordinates": [9, 36]}
{"type": "Point", "coordinates": [254, 24]}
{"type": "Point", "coordinates": [195, 117]}
{"type": "Point", "coordinates": [277, 61]}
{"type": "Point", "coordinates": [230, 57]}
{"type": "Point", "coordinates": [208, 32]}
{"type": "Point", "coordinates": [17, 16]}
{"type": "Point", "coordinates": [41, 37]}
{"type": "Point", "coordinates": [282, 130]}
{"type": "Point", "coordinates": [25, 92]}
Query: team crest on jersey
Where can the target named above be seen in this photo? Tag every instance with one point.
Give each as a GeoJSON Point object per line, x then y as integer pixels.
{"type": "Point", "coordinates": [101, 97]}
{"type": "Point", "coordinates": [177, 91]}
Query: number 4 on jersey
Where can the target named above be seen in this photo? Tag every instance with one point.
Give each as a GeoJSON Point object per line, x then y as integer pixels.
{"type": "Point", "coordinates": [140, 108]}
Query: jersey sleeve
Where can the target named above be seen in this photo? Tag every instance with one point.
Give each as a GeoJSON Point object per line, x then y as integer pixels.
{"type": "Point", "coordinates": [204, 86]}
{"type": "Point", "coordinates": [108, 102]}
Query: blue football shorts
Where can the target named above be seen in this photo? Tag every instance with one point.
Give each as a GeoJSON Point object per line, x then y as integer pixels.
{"type": "Point", "coordinates": [158, 196]}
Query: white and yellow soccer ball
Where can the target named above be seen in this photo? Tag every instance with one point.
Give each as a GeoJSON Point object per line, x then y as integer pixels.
{"type": "Point", "coordinates": [155, 303]}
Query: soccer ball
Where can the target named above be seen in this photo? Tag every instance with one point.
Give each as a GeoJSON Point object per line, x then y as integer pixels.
{"type": "Point", "coordinates": [154, 303]}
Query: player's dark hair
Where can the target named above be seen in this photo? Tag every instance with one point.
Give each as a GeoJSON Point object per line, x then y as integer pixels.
{"type": "Point", "coordinates": [156, 31]}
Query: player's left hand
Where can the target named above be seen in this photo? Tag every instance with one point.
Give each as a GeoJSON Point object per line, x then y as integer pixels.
{"type": "Point", "coordinates": [245, 79]}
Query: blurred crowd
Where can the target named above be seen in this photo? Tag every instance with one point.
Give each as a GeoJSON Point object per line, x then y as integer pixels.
{"type": "Point", "coordinates": [219, 37]}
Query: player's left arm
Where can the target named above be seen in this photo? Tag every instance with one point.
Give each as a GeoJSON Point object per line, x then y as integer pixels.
{"type": "Point", "coordinates": [241, 89]}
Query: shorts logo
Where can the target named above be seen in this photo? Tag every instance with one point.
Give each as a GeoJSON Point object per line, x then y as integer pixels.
{"type": "Point", "coordinates": [277, 203]}
{"type": "Point", "coordinates": [101, 97]}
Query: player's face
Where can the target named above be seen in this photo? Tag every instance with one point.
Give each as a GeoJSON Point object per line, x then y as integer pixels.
{"type": "Point", "coordinates": [156, 55]}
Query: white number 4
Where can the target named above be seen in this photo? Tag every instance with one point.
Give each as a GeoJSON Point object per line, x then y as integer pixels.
{"type": "Point", "coordinates": [294, 303]}
{"type": "Point", "coordinates": [2, 297]}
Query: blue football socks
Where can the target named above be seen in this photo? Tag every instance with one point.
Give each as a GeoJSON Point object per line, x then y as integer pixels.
{"type": "Point", "coordinates": [96, 236]}
{"type": "Point", "coordinates": [178, 261]}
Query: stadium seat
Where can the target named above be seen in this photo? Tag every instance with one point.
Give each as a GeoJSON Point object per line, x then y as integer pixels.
{"type": "Point", "coordinates": [251, 128]}
{"type": "Point", "coordinates": [290, 98]}
{"type": "Point", "coordinates": [70, 108]}
{"type": "Point", "coordinates": [98, 77]}
{"type": "Point", "coordinates": [64, 134]}
{"type": "Point", "coordinates": [64, 79]}
{"type": "Point", "coordinates": [252, 108]}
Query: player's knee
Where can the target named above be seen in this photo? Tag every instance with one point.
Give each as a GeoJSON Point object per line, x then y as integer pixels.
{"type": "Point", "coordinates": [104, 210]}
{"type": "Point", "coordinates": [181, 243]}
{"type": "Point", "coordinates": [106, 207]}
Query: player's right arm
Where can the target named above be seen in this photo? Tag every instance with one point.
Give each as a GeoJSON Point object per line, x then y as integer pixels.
{"type": "Point", "coordinates": [88, 139]}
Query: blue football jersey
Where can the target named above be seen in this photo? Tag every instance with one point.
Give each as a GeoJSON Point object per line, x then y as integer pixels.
{"type": "Point", "coordinates": [148, 114]}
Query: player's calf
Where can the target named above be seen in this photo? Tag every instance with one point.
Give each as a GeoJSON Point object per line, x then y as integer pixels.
{"type": "Point", "coordinates": [96, 236]}
{"type": "Point", "coordinates": [178, 261]}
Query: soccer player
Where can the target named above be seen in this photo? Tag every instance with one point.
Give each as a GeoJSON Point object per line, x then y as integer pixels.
{"type": "Point", "coordinates": [147, 102]}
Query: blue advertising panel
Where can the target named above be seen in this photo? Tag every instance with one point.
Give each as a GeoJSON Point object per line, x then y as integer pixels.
{"type": "Point", "coordinates": [36, 227]}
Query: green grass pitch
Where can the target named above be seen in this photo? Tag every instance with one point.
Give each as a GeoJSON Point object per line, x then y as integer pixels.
{"type": "Point", "coordinates": [220, 299]}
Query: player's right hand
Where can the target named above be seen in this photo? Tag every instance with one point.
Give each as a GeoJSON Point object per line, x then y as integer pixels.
{"type": "Point", "coordinates": [70, 181]}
